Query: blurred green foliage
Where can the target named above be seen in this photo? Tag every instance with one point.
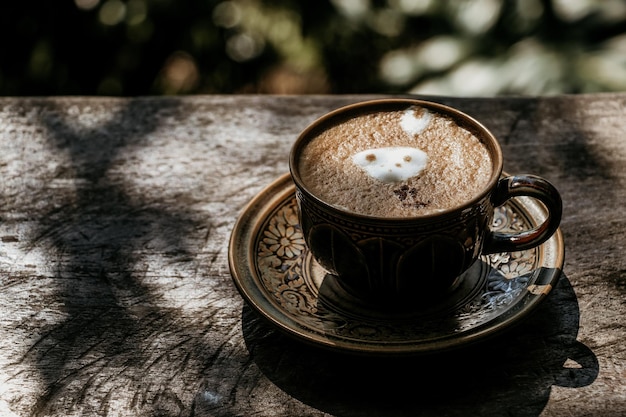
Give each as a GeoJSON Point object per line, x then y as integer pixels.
{"type": "Point", "coordinates": [448, 47]}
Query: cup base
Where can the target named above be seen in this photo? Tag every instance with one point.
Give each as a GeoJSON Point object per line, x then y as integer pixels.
{"type": "Point", "coordinates": [334, 296]}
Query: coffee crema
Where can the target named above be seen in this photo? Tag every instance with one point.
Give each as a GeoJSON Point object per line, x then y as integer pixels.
{"type": "Point", "coordinates": [401, 163]}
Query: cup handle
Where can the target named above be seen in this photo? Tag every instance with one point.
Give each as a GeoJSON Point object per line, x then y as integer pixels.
{"type": "Point", "coordinates": [530, 186]}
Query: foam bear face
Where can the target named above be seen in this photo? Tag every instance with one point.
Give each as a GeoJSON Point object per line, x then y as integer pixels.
{"type": "Point", "coordinates": [392, 164]}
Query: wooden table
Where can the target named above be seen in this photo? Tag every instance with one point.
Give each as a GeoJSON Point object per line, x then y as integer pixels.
{"type": "Point", "coordinates": [117, 300]}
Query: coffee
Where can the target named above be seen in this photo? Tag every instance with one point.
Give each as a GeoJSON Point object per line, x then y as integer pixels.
{"type": "Point", "coordinates": [396, 198]}
{"type": "Point", "coordinates": [397, 163]}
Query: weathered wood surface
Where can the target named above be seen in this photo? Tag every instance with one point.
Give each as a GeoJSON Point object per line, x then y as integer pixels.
{"type": "Point", "coordinates": [116, 297]}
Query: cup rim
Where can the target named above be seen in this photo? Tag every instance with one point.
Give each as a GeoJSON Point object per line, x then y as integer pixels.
{"type": "Point", "coordinates": [334, 116]}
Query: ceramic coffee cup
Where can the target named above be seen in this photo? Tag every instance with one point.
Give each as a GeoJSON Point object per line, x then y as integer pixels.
{"type": "Point", "coordinates": [386, 260]}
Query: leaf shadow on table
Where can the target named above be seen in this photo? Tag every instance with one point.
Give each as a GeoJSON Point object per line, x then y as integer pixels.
{"type": "Point", "coordinates": [110, 318]}
{"type": "Point", "coordinates": [511, 374]}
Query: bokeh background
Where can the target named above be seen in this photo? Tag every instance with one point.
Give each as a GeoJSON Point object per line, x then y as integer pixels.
{"type": "Point", "coordinates": [442, 47]}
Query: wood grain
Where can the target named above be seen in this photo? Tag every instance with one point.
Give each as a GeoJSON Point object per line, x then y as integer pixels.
{"type": "Point", "coordinates": [116, 298]}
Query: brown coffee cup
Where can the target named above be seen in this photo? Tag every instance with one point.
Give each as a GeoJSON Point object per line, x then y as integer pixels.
{"type": "Point", "coordinates": [389, 260]}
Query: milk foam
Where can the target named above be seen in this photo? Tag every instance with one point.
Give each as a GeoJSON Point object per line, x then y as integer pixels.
{"type": "Point", "coordinates": [392, 164]}
{"type": "Point", "coordinates": [448, 164]}
{"type": "Point", "coordinates": [414, 124]}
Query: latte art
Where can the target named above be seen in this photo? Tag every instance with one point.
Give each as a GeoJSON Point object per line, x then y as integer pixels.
{"type": "Point", "coordinates": [413, 123]}
{"type": "Point", "coordinates": [396, 163]}
{"type": "Point", "coordinates": [391, 164]}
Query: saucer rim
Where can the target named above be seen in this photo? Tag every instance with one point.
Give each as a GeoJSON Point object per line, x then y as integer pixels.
{"type": "Point", "coordinates": [241, 253]}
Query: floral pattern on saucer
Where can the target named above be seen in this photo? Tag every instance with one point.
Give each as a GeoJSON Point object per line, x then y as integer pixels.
{"type": "Point", "coordinates": [285, 269]}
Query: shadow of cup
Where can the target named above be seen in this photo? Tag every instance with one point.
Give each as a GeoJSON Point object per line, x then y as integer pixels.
{"type": "Point", "coordinates": [510, 374]}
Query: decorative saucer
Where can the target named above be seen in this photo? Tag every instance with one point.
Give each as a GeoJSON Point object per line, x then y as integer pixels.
{"type": "Point", "coordinates": [275, 273]}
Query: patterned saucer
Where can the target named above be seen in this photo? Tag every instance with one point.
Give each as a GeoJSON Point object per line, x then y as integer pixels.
{"type": "Point", "coordinates": [275, 273]}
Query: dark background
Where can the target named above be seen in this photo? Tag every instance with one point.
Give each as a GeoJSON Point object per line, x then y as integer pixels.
{"type": "Point", "coordinates": [465, 48]}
